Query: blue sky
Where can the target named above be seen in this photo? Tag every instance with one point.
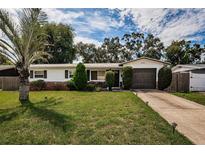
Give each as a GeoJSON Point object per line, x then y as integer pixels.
{"type": "Point", "coordinates": [93, 25]}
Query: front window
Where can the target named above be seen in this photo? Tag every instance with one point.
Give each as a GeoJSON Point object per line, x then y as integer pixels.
{"type": "Point", "coordinates": [93, 75]}
{"type": "Point", "coordinates": [98, 75]}
{"type": "Point", "coordinates": [39, 74]}
{"type": "Point", "coordinates": [101, 75]}
{"type": "Point", "coordinates": [70, 74]}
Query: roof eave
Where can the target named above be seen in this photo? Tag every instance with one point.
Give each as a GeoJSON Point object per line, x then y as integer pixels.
{"type": "Point", "coordinates": [121, 64]}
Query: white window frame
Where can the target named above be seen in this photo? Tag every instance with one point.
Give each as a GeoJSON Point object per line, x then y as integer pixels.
{"type": "Point", "coordinates": [70, 74]}
{"type": "Point", "coordinates": [97, 75]}
{"type": "Point", "coordinates": [39, 76]}
{"type": "Point", "coordinates": [91, 75]}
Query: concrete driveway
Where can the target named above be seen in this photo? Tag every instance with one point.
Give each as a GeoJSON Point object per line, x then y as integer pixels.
{"type": "Point", "coordinates": [189, 116]}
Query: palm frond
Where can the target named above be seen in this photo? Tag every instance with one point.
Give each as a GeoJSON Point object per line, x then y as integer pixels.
{"type": "Point", "coordinates": [25, 44]}
{"type": "Point", "coordinates": [40, 55]}
{"type": "Point", "coordinates": [6, 46]}
{"type": "Point", "coordinates": [4, 53]}
{"type": "Point", "coordinates": [9, 28]}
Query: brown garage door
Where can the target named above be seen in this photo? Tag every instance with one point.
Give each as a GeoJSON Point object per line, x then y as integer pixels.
{"type": "Point", "coordinates": [144, 78]}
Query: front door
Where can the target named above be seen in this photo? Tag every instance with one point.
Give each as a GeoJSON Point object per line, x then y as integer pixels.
{"type": "Point", "coordinates": [116, 84]}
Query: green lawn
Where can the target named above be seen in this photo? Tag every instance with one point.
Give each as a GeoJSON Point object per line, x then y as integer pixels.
{"type": "Point", "coordinates": [82, 118]}
{"type": "Point", "coordinates": [193, 96]}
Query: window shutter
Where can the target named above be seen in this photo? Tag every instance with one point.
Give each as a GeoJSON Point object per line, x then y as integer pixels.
{"type": "Point", "coordinates": [45, 74]}
{"type": "Point", "coordinates": [66, 74]}
{"type": "Point", "coordinates": [88, 75]}
{"type": "Point", "coordinates": [31, 74]}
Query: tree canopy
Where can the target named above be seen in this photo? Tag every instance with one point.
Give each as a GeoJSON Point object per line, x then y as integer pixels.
{"type": "Point", "coordinates": [111, 51]}
{"type": "Point", "coordinates": [116, 50]}
{"type": "Point", "coordinates": [140, 45]}
{"type": "Point", "coordinates": [183, 52]}
{"type": "Point", "coordinates": [60, 40]}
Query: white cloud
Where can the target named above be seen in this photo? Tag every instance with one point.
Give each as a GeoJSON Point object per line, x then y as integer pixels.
{"type": "Point", "coordinates": [86, 40]}
{"type": "Point", "coordinates": [89, 23]}
{"type": "Point", "coordinates": [58, 16]}
{"type": "Point", "coordinates": [92, 21]}
{"type": "Point", "coordinates": [102, 22]}
{"type": "Point", "coordinates": [168, 24]}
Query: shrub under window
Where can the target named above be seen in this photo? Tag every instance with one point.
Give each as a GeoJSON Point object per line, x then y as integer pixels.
{"type": "Point", "coordinates": [71, 85]}
{"type": "Point", "coordinates": [90, 87]}
{"type": "Point", "coordinates": [38, 85]}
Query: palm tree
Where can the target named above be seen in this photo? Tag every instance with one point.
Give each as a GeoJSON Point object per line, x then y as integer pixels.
{"type": "Point", "coordinates": [23, 42]}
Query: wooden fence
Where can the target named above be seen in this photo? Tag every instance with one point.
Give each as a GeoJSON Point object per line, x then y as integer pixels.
{"type": "Point", "coordinates": [9, 83]}
{"type": "Point", "coordinates": [180, 82]}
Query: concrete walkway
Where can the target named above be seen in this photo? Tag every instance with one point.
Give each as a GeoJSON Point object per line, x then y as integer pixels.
{"type": "Point", "coordinates": [189, 116]}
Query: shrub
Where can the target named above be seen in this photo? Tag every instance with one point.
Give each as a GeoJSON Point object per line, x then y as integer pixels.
{"type": "Point", "coordinates": [38, 85]}
{"type": "Point", "coordinates": [71, 85]}
{"type": "Point", "coordinates": [80, 77]}
{"type": "Point", "coordinates": [127, 77]}
{"type": "Point", "coordinates": [56, 86]}
{"type": "Point", "coordinates": [98, 84]}
{"type": "Point", "coordinates": [98, 89]}
{"type": "Point", "coordinates": [109, 79]}
{"type": "Point", "coordinates": [164, 78]}
{"type": "Point", "coordinates": [90, 87]}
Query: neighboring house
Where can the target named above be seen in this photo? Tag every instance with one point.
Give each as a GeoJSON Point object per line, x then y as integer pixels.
{"type": "Point", "coordinates": [195, 75]}
{"type": "Point", "coordinates": [8, 70]}
{"type": "Point", "coordinates": [145, 72]}
{"type": "Point", "coordinates": [9, 79]}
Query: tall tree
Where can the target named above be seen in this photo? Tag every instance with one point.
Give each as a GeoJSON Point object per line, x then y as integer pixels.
{"type": "Point", "coordinates": [196, 52]}
{"type": "Point", "coordinates": [111, 51]}
{"type": "Point", "coordinates": [144, 45]}
{"type": "Point", "coordinates": [133, 42]}
{"type": "Point", "coordinates": [177, 52]}
{"type": "Point", "coordinates": [115, 51]}
{"type": "Point", "coordinates": [61, 38]}
{"type": "Point", "coordinates": [153, 47]}
{"type": "Point", "coordinates": [90, 53]}
{"type": "Point", "coordinates": [183, 52]}
{"type": "Point", "coordinates": [24, 43]}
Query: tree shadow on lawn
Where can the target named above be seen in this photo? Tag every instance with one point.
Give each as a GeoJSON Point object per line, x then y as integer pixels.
{"type": "Point", "coordinates": [40, 110]}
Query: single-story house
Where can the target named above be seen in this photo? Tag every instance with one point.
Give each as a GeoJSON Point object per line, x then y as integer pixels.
{"type": "Point", "coordinates": [145, 72]}
{"type": "Point", "coordinates": [195, 75]}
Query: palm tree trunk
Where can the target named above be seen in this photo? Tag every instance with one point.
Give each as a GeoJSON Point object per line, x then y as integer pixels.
{"type": "Point", "coordinates": [24, 90]}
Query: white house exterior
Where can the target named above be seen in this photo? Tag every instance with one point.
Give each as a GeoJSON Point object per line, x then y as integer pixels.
{"type": "Point", "coordinates": [196, 75]}
{"type": "Point", "coordinates": [145, 72]}
{"type": "Point", "coordinates": [64, 72]}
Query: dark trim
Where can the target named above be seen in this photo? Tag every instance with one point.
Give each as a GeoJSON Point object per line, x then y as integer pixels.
{"type": "Point", "coordinates": [66, 74]}
{"type": "Point", "coordinates": [31, 74]}
{"type": "Point", "coordinates": [45, 74]}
